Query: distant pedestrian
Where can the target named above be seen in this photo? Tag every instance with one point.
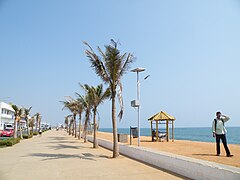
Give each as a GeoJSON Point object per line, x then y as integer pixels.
{"type": "Point", "coordinates": [40, 132]}
{"type": "Point", "coordinates": [219, 132]}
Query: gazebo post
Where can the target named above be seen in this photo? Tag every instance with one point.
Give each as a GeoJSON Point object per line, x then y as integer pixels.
{"type": "Point", "coordinates": [172, 132]}
{"type": "Point", "coordinates": [156, 130]}
{"type": "Point", "coordinates": [151, 131]}
{"type": "Point", "coordinates": [167, 130]}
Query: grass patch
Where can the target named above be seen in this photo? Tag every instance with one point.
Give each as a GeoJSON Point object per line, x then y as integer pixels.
{"type": "Point", "coordinates": [35, 133]}
{"type": "Point", "coordinates": [9, 142]}
{"type": "Point", "coordinates": [27, 136]}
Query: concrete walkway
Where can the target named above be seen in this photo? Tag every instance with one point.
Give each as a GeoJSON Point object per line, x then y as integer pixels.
{"type": "Point", "coordinates": [56, 155]}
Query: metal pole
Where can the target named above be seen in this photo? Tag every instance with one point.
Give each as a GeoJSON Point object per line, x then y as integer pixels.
{"type": "Point", "coordinates": [138, 98]}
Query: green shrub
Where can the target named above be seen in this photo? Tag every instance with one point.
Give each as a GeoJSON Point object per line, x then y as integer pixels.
{"type": "Point", "coordinates": [35, 133]}
{"type": "Point", "coordinates": [45, 130]}
{"type": "Point", "coordinates": [31, 132]}
{"type": "Point", "coordinates": [9, 142]}
{"type": "Point", "coordinates": [27, 136]}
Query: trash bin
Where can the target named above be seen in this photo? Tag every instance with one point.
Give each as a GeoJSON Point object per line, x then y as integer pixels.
{"type": "Point", "coordinates": [123, 138]}
{"type": "Point", "coordinates": [134, 132]}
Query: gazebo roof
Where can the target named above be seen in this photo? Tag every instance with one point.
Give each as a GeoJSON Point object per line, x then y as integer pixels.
{"type": "Point", "coordinates": [161, 116]}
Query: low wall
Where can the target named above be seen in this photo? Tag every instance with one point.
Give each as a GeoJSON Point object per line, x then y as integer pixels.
{"type": "Point", "coordinates": [185, 166]}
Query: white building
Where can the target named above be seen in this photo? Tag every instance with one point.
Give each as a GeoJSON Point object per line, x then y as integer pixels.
{"type": "Point", "coordinates": [6, 115]}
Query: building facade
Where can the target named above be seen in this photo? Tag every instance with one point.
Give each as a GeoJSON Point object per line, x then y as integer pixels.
{"type": "Point", "coordinates": [6, 115]}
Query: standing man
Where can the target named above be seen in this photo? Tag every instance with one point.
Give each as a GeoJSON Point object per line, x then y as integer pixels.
{"type": "Point", "coordinates": [219, 131]}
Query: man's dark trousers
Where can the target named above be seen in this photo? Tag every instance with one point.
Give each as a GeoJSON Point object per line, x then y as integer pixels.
{"type": "Point", "coordinates": [224, 141]}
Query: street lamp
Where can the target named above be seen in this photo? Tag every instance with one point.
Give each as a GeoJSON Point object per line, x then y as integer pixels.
{"type": "Point", "coordinates": [136, 103]}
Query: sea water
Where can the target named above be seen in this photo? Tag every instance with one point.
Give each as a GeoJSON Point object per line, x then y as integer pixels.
{"type": "Point", "coordinates": [192, 134]}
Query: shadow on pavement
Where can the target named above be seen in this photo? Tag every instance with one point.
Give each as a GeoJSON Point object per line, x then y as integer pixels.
{"type": "Point", "coordinates": [63, 146]}
{"type": "Point", "coordinates": [85, 156]}
{"type": "Point", "coordinates": [57, 138]}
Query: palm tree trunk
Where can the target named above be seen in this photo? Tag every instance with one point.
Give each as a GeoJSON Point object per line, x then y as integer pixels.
{"type": "Point", "coordinates": [85, 129]}
{"type": "Point", "coordinates": [28, 133]}
{"type": "Point", "coordinates": [21, 134]}
{"type": "Point", "coordinates": [20, 130]}
{"type": "Point", "coordinates": [37, 125]}
{"type": "Point", "coordinates": [67, 127]}
{"type": "Point", "coordinates": [70, 126]}
{"type": "Point", "coordinates": [73, 128]}
{"type": "Point", "coordinates": [95, 143]}
{"type": "Point", "coordinates": [15, 128]}
{"type": "Point", "coordinates": [79, 135]}
{"type": "Point", "coordinates": [114, 124]}
{"type": "Point", "coordinates": [75, 125]}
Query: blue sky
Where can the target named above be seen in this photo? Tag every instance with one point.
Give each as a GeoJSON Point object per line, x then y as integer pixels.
{"type": "Point", "coordinates": [190, 49]}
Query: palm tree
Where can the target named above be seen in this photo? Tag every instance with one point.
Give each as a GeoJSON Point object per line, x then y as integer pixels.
{"type": "Point", "coordinates": [72, 105]}
{"type": "Point", "coordinates": [31, 124]}
{"type": "Point", "coordinates": [26, 113]}
{"type": "Point", "coordinates": [17, 115]}
{"type": "Point", "coordinates": [37, 121]}
{"type": "Point", "coordinates": [80, 111]}
{"type": "Point", "coordinates": [86, 103]}
{"type": "Point", "coordinates": [70, 126]}
{"type": "Point", "coordinates": [66, 122]}
{"type": "Point", "coordinates": [98, 95]}
{"type": "Point", "coordinates": [110, 67]}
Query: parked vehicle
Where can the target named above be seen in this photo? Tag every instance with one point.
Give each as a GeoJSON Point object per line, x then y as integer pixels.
{"type": "Point", "coordinates": [8, 126]}
{"type": "Point", "coordinates": [7, 133]}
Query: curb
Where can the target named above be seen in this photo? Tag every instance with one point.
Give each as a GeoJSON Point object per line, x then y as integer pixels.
{"type": "Point", "coordinates": [185, 166]}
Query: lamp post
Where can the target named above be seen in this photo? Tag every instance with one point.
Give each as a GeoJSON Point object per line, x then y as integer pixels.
{"type": "Point", "coordinates": [137, 102]}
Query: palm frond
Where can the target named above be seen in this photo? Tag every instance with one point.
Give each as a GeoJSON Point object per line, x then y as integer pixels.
{"type": "Point", "coordinates": [119, 94]}
{"type": "Point", "coordinates": [96, 63]}
{"type": "Point", "coordinates": [126, 64]}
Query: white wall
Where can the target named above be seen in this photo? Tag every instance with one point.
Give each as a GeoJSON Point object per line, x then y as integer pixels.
{"type": "Point", "coordinates": [188, 167]}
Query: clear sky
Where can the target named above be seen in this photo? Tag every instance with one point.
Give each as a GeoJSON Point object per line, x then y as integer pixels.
{"type": "Point", "coordinates": [191, 49]}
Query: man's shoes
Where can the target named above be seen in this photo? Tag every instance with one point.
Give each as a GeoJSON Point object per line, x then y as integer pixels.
{"type": "Point", "coordinates": [217, 154]}
{"type": "Point", "coordinates": [229, 155]}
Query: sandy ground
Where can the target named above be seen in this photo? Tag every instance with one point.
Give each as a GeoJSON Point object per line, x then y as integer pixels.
{"type": "Point", "coordinates": [199, 150]}
{"type": "Point", "coordinates": [58, 156]}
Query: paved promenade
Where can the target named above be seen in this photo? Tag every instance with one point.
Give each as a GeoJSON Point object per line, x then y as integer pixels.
{"type": "Point", "coordinates": [56, 155]}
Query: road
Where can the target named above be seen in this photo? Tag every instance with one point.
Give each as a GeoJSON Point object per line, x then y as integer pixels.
{"type": "Point", "coordinates": [57, 156]}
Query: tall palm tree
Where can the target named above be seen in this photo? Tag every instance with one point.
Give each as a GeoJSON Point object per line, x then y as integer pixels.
{"type": "Point", "coordinates": [17, 116]}
{"type": "Point", "coordinates": [37, 121]}
{"type": "Point", "coordinates": [80, 111]}
{"type": "Point", "coordinates": [31, 124]}
{"type": "Point", "coordinates": [66, 122]}
{"type": "Point", "coordinates": [72, 105]}
{"type": "Point", "coordinates": [71, 131]}
{"type": "Point", "coordinates": [86, 103]}
{"type": "Point", "coordinates": [26, 113]}
{"type": "Point", "coordinates": [98, 95]}
{"type": "Point", "coordinates": [110, 66]}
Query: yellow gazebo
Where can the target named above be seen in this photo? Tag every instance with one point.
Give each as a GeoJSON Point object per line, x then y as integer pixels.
{"type": "Point", "coordinates": [162, 117]}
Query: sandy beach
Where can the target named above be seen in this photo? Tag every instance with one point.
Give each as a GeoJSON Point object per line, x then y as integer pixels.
{"type": "Point", "coordinates": [199, 150]}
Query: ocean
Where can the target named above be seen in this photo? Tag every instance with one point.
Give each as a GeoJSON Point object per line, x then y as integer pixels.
{"type": "Point", "coordinates": [192, 134]}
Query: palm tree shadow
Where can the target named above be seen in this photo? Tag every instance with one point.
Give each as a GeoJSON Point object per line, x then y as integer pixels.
{"type": "Point", "coordinates": [58, 138]}
{"type": "Point", "coordinates": [204, 154]}
{"type": "Point", "coordinates": [84, 156]}
{"type": "Point", "coordinates": [64, 146]}
{"type": "Point", "coordinates": [47, 156]}
{"type": "Point", "coordinates": [54, 142]}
